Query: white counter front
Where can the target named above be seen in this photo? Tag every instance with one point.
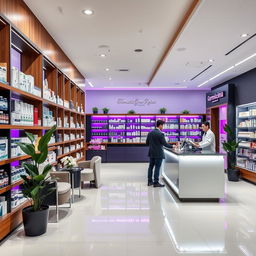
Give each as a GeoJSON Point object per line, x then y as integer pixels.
{"type": "Point", "coordinates": [194, 175]}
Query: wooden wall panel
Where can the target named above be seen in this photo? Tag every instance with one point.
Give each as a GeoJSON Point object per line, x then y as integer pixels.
{"type": "Point", "coordinates": [23, 18]}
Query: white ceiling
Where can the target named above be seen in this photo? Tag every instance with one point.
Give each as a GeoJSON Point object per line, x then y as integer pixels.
{"type": "Point", "coordinates": [214, 29]}
{"type": "Point", "coordinates": [123, 25]}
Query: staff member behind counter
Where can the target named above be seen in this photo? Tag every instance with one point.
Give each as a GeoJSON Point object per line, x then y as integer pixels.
{"type": "Point", "coordinates": [208, 142]}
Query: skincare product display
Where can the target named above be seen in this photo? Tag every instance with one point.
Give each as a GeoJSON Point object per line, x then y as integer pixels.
{"type": "Point", "coordinates": [17, 198]}
{"type": "Point", "coordinates": [3, 148]}
{"type": "Point", "coordinates": [4, 116]}
{"type": "Point", "coordinates": [3, 72]}
{"type": "Point", "coordinates": [4, 179]}
{"type": "Point", "coordinates": [48, 118]}
{"type": "Point", "coordinates": [15, 149]}
{"type": "Point", "coordinates": [48, 94]}
{"type": "Point", "coordinates": [22, 113]}
{"type": "Point", "coordinates": [3, 206]}
{"type": "Point", "coordinates": [23, 82]}
{"type": "Point", "coordinates": [16, 172]}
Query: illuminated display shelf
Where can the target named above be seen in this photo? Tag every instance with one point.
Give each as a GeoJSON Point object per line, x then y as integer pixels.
{"type": "Point", "coordinates": [103, 127]}
{"type": "Point", "coordinates": [246, 135]}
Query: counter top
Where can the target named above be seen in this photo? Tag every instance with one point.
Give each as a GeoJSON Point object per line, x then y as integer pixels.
{"type": "Point", "coordinates": [193, 153]}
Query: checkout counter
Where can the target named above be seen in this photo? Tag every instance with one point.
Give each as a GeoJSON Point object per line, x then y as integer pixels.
{"type": "Point", "coordinates": [194, 175]}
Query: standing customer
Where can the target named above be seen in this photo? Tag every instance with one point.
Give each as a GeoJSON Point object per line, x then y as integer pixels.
{"type": "Point", "coordinates": [156, 141]}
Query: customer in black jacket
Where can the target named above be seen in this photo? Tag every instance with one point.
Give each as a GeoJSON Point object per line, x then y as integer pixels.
{"type": "Point", "coordinates": [156, 141]}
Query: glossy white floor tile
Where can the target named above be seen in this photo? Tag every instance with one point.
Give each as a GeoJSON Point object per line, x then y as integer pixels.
{"type": "Point", "coordinates": [125, 217]}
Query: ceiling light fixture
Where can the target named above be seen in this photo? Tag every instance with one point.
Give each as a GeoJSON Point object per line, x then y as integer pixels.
{"type": "Point", "coordinates": [102, 55]}
{"type": "Point", "coordinates": [110, 79]}
{"type": "Point", "coordinates": [244, 35]}
{"type": "Point", "coordinates": [226, 70]}
{"type": "Point", "coordinates": [88, 12]}
{"type": "Point", "coordinates": [244, 60]}
{"type": "Point", "coordinates": [211, 60]}
{"type": "Point", "coordinates": [107, 69]}
{"type": "Point", "coordinates": [90, 83]}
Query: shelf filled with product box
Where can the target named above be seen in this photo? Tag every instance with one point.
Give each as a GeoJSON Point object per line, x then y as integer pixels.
{"type": "Point", "coordinates": [246, 136]}
{"type": "Point", "coordinates": [133, 129]}
{"type": "Point", "coordinates": [33, 91]}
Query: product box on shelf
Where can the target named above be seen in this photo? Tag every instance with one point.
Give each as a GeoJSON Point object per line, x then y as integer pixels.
{"type": "Point", "coordinates": [4, 116]}
{"type": "Point", "coordinates": [37, 91]}
{"type": "Point", "coordinates": [3, 148]}
{"type": "Point", "coordinates": [15, 77]}
{"type": "Point", "coordinates": [16, 173]}
{"type": "Point", "coordinates": [22, 113]}
{"type": "Point", "coordinates": [17, 198]}
{"type": "Point", "coordinates": [15, 149]}
{"type": "Point", "coordinates": [4, 179]}
{"type": "Point", "coordinates": [3, 72]}
{"type": "Point", "coordinates": [3, 206]}
{"type": "Point", "coordinates": [48, 94]}
{"type": "Point", "coordinates": [48, 118]}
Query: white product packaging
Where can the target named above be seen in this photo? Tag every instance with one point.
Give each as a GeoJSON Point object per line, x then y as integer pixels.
{"type": "Point", "coordinates": [3, 72]}
{"type": "Point", "coordinates": [15, 77]}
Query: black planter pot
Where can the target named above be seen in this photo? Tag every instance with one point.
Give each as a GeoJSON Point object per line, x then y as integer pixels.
{"type": "Point", "coordinates": [233, 175]}
{"type": "Point", "coordinates": [95, 112]}
{"type": "Point", "coordinates": [35, 223]}
{"type": "Point", "coordinates": [105, 112]}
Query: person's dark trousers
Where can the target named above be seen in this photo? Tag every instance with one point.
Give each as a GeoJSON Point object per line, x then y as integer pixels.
{"type": "Point", "coordinates": [154, 162]}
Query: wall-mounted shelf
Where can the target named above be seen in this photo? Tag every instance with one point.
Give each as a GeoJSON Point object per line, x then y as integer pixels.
{"type": "Point", "coordinates": [133, 129]}
{"type": "Point", "coordinates": [30, 92]}
{"type": "Point", "coordinates": [245, 133]}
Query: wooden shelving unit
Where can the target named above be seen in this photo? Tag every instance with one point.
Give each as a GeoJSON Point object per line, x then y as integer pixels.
{"type": "Point", "coordinates": [32, 62]}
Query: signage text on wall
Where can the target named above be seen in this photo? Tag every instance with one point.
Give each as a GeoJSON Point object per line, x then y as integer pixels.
{"type": "Point", "coordinates": [216, 97]}
{"type": "Point", "coordinates": [136, 102]}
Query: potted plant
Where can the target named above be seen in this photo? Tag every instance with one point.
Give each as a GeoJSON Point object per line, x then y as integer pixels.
{"type": "Point", "coordinates": [163, 110]}
{"type": "Point", "coordinates": [131, 112]}
{"type": "Point", "coordinates": [35, 217]}
{"type": "Point", "coordinates": [230, 146]}
{"type": "Point", "coordinates": [105, 110]}
{"type": "Point", "coordinates": [185, 112]}
{"type": "Point", "coordinates": [95, 110]}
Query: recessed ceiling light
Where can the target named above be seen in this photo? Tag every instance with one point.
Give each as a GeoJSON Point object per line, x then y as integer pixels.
{"type": "Point", "coordinates": [244, 35]}
{"type": "Point", "coordinates": [184, 80]}
{"type": "Point", "coordinates": [107, 69]}
{"type": "Point", "coordinates": [138, 50]}
{"type": "Point", "coordinates": [181, 49]}
{"type": "Point", "coordinates": [110, 79]}
{"type": "Point", "coordinates": [211, 60]}
{"type": "Point", "coordinates": [88, 12]}
{"type": "Point", "coordinates": [102, 55]}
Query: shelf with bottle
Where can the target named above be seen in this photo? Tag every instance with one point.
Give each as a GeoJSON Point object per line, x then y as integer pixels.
{"type": "Point", "coordinates": [97, 120]}
{"type": "Point", "coordinates": [197, 119]}
{"type": "Point", "coordinates": [134, 119]}
{"type": "Point", "coordinates": [116, 120]}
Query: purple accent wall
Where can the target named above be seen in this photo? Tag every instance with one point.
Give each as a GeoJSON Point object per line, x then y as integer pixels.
{"type": "Point", "coordinates": [15, 59]}
{"type": "Point", "coordinates": [121, 101]}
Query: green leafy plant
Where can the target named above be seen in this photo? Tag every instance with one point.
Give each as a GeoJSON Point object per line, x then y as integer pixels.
{"type": "Point", "coordinates": [95, 110]}
{"type": "Point", "coordinates": [163, 110]}
{"type": "Point", "coordinates": [131, 112]}
{"type": "Point", "coordinates": [36, 181]}
{"type": "Point", "coordinates": [105, 110]}
{"type": "Point", "coordinates": [230, 146]}
{"type": "Point", "coordinates": [185, 112]}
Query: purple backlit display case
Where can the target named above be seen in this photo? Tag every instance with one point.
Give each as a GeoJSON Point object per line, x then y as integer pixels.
{"type": "Point", "coordinates": [135, 128]}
